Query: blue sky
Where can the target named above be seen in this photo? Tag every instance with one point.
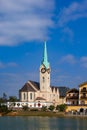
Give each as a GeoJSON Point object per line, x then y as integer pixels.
{"type": "Point", "coordinates": [25, 24]}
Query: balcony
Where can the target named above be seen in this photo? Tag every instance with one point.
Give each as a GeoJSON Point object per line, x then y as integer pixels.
{"type": "Point", "coordinates": [83, 91]}
{"type": "Point", "coordinates": [72, 97]}
{"type": "Point", "coordinates": [83, 97]}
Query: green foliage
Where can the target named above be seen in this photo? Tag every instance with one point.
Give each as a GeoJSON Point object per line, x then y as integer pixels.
{"type": "Point", "coordinates": [44, 108]}
{"type": "Point", "coordinates": [61, 107]}
{"type": "Point", "coordinates": [51, 107]}
{"type": "Point", "coordinates": [3, 108]}
{"type": "Point", "coordinates": [25, 108]}
{"type": "Point", "coordinates": [34, 109]}
{"type": "Point", "coordinates": [13, 99]}
{"type": "Point", "coordinates": [1, 100]}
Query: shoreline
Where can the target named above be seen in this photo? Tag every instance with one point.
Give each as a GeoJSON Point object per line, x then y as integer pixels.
{"type": "Point", "coordinates": [42, 114]}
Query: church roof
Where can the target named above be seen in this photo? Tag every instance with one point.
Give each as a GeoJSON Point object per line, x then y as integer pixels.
{"type": "Point", "coordinates": [62, 91]}
{"type": "Point", "coordinates": [73, 90]}
{"type": "Point", "coordinates": [28, 87]}
{"type": "Point", "coordinates": [35, 84]}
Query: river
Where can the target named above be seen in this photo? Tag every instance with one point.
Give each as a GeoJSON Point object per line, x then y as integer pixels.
{"type": "Point", "coordinates": [42, 123]}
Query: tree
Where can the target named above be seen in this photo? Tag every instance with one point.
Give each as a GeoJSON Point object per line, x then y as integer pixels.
{"type": "Point", "coordinates": [13, 99]}
{"type": "Point", "coordinates": [44, 108]}
{"type": "Point", "coordinates": [3, 108]}
{"type": "Point", "coordinates": [1, 100]}
{"type": "Point", "coordinates": [51, 107]}
{"type": "Point", "coordinates": [61, 107]}
{"type": "Point", "coordinates": [25, 108]}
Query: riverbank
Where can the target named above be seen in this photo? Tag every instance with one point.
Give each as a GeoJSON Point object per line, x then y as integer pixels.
{"type": "Point", "coordinates": [36, 113]}
{"type": "Point", "coordinates": [42, 114]}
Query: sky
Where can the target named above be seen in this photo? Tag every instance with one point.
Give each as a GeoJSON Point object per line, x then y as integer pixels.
{"type": "Point", "coordinates": [25, 25]}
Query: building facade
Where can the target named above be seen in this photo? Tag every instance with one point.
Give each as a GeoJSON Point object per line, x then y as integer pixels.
{"type": "Point", "coordinates": [76, 100]}
{"type": "Point", "coordinates": [83, 93]}
{"type": "Point", "coordinates": [72, 97]}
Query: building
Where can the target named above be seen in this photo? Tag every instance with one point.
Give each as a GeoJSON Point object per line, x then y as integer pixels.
{"type": "Point", "coordinates": [72, 97]}
{"type": "Point", "coordinates": [42, 94]}
{"type": "Point", "coordinates": [83, 93]}
{"type": "Point", "coordinates": [76, 100]}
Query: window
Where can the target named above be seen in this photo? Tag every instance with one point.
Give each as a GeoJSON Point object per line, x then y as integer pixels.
{"type": "Point", "coordinates": [82, 102]}
{"type": "Point", "coordinates": [73, 94]}
{"type": "Point", "coordinates": [43, 79]}
{"type": "Point", "coordinates": [30, 95]}
{"type": "Point", "coordinates": [84, 88]}
{"type": "Point", "coordinates": [73, 102]}
{"type": "Point", "coordinates": [69, 94]}
{"type": "Point", "coordinates": [24, 96]}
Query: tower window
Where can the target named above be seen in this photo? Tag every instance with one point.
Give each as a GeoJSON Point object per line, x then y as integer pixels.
{"type": "Point", "coordinates": [43, 79]}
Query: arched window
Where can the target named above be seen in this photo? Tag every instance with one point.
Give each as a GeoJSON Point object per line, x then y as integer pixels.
{"type": "Point", "coordinates": [24, 96]}
{"type": "Point", "coordinates": [31, 96]}
{"type": "Point", "coordinates": [84, 88]}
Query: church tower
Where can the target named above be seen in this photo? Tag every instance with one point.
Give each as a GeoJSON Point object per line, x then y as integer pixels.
{"type": "Point", "coordinates": [45, 72]}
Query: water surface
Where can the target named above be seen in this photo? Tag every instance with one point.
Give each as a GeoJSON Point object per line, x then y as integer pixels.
{"type": "Point", "coordinates": [42, 123]}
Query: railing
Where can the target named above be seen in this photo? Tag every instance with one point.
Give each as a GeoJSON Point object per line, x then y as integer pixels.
{"type": "Point", "coordinates": [76, 104]}
{"type": "Point", "coordinates": [83, 91]}
{"type": "Point", "coordinates": [83, 97]}
{"type": "Point", "coordinates": [72, 97]}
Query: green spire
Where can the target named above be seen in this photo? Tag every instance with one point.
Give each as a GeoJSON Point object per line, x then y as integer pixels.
{"type": "Point", "coordinates": [45, 58]}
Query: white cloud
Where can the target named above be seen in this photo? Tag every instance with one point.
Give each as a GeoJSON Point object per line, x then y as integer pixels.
{"type": "Point", "coordinates": [67, 34]}
{"type": "Point", "coordinates": [69, 14]}
{"type": "Point", "coordinates": [9, 64]}
{"type": "Point", "coordinates": [83, 61]}
{"type": "Point", "coordinates": [68, 59]}
{"type": "Point", "coordinates": [71, 59]}
{"type": "Point", "coordinates": [74, 12]}
{"type": "Point", "coordinates": [27, 20]}
{"type": "Point", "coordinates": [1, 65]}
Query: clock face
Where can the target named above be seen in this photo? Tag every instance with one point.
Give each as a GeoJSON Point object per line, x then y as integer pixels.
{"type": "Point", "coordinates": [43, 70]}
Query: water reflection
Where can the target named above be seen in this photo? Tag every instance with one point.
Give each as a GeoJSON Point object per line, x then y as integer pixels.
{"type": "Point", "coordinates": [42, 123]}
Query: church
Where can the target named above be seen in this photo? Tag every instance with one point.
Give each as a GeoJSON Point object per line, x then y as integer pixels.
{"type": "Point", "coordinates": [40, 94]}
